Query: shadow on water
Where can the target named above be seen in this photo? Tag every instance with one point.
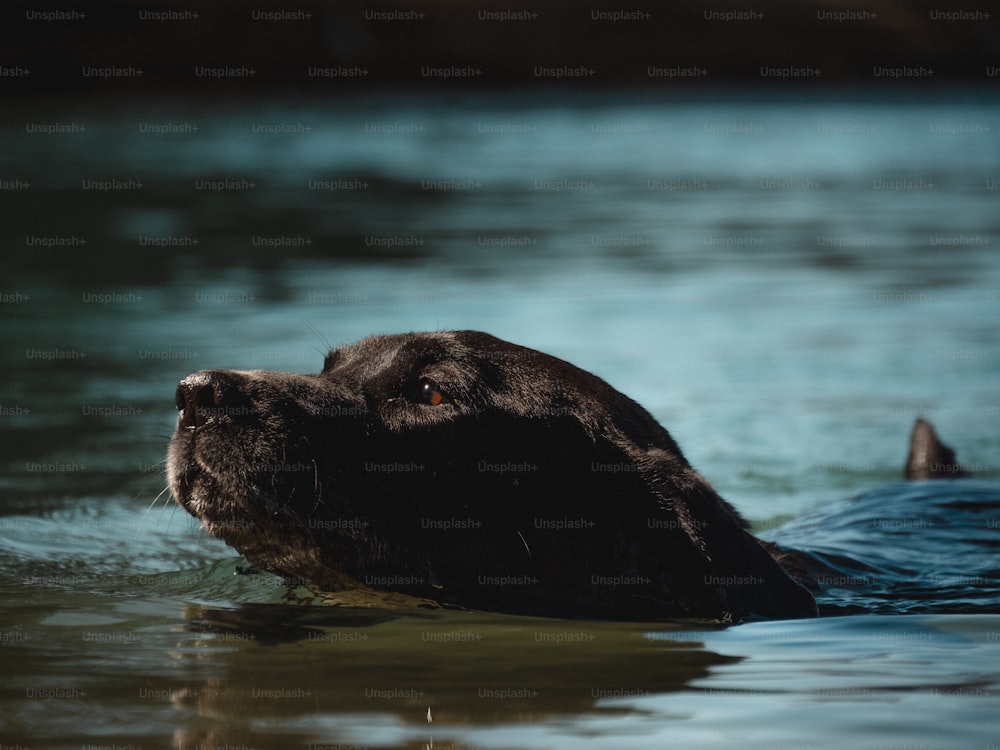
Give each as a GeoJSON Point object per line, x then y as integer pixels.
{"type": "Point", "coordinates": [267, 674]}
{"type": "Point", "coordinates": [285, 676]}
{"type": "Point", "coordinates": [468, 667]}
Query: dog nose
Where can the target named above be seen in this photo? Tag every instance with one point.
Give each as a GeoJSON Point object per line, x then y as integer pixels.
{"type": "Point", "coordinates": [208, 396]}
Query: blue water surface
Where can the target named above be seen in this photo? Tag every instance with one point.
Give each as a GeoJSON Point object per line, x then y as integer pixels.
{"type": "Point", "coordinates": [786, 284]}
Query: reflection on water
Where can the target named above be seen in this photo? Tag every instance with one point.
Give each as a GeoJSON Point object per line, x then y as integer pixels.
{"type": "Point", "coordinates": [784, 284]}
{"type": "Point", "coordinates": [276, 676]}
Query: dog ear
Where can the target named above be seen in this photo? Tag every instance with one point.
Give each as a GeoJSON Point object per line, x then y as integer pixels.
{"type": "Point", "coordinates": [723, 562]}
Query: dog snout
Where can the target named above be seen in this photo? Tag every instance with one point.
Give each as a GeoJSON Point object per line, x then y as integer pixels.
{"type": "Point", "coordinates": [209, 396]}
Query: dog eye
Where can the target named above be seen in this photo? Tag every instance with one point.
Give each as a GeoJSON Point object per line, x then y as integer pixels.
{"type": "Point", "coordinates": [430, 394]}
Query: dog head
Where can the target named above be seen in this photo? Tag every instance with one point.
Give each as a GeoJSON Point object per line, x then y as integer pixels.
{"type": "Point", "coordinates": [460, 468]}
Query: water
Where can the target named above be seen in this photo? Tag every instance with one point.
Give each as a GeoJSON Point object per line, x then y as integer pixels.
{"type": "Point", "coordinates": [785, 284]}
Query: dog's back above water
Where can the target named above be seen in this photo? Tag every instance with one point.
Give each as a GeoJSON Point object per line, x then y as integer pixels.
{"type": "Point", "coordinates": [459, 469]}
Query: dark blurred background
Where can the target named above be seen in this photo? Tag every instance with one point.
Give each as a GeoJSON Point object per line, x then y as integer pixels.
{"type": "Point", "coordinates": [329, 47]}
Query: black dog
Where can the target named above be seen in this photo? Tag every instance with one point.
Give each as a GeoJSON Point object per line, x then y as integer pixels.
{"type": "Point", "coordinates": [464, 470]}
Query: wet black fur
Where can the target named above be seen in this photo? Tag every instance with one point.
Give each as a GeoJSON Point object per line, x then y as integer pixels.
{"type": "Point", "coordinates": [532, 487]}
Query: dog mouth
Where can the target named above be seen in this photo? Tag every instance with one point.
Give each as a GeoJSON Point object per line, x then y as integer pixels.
{"type": "Point", "coordinates": [200, 490]}
{"type": "Point", "coordinates": [267, 528]}
{"type": "Point", "coordinates": [256, 493]}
